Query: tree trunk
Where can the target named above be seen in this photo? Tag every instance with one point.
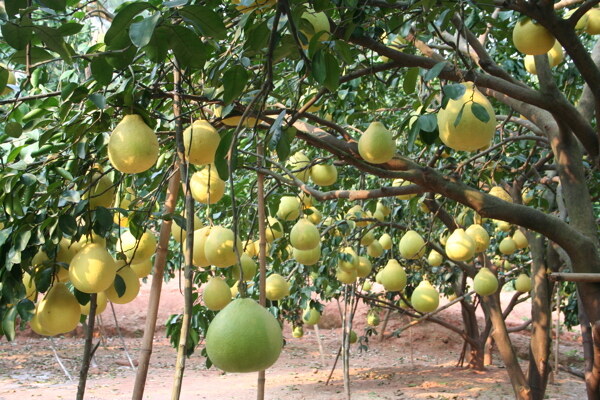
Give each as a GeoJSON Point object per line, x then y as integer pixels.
{"type": "Point", "coordinates": [539, 348]}
{"type": "Point", "coordinates": [87, 349]}
{"type": "Point", "coordinates": [591, 381]}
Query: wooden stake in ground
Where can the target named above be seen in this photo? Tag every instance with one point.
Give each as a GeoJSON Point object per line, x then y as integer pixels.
{"type": "Point", "coordinates": [262, 257]}
{"type": "Point", "coordinates": [157, 279]}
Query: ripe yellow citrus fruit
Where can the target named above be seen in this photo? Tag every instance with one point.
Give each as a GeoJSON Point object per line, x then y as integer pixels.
{"type": "Point", "coordinates": [298, 164]}
{"type": "Point", "coordinates": [500, 193]}
{"type": "Point", "coordinates": [377, 145]}
{"type": "Point", "coordinates": [198, 255]}
{"type": "Point", "coordinates": [298, 332]}
{"type": "Point", "coordinates": [435, 259]}
{"type": "Point", "coordinates": [311, 316]}
{"type": "Point", "coordinates": [364, 267]}
{"type": "Point", "coordinates": [133, 145]}
{"type": "Point", "coordinates": [304, 235]}
{"type": "Point", "coordinates": [179, 234]}
{"type": "Point", "coordinates": [313, 215]}
{"type": "Point", "coordinates": [520, 239]}
{"type": "Point", "coordinates": [375, 249]}
{"type": "Point", "coordinates": [323, 174]}
{"type": "Point", "coordinates": [93, 269]}
{"type": "Point", "coordinates": [460, 246]}
{"type": "Point", "coordinates": [101, 192]}
{"type": "Point", "coordinates": [244, 337]}
{"type": "Point", "coordinates": [386, 241]}
{"type": "Point", "coordinates": [532, 38]}
{"type": "Point", "coordinates": [30, 288]}
{"type": "Point", "coordinates": [485, 282]}
{"type": "Point", "coordinates": [346, 277]}
{"type": "Point", "coordinates": [276, 287]}
{"type": "Point", "coordinates": [480, 237]}
{"type": "Point", "coordinates": [523, 283]}
{"type": "Point", "coordinates": [393, 276]}
{"type": "Point", "coordinates": [220, 247]}
{"type": "Point", "coordinates": [274, 229]}
{"type": "Point", "coordinates": [425, 298]}
{"type": "Point", "coordinates": [307, 257]}
{"type": "Point", "coordinates": [216, 294]}
{"type": "Point", "coordinates": [58, 312]}
{"type": "Point", "coordinates": [137, 251]}
{"type": "Point", "coordinates": [507, 246]}
{"type": "Point", "coordinates": [412, 245]}
{"type": "Point", "coordinates": [206, 185]}
{"type": "Point", "coordinates": [132, 286]}
{"type": "Point", "coordinates": [348, 260]}
{"type": "Point", "coordinates": [592, 24]}
{"type": "Point", "coordinates": [249, 268]}
{"type": "Point", "coordinates": [101, 303]}
{"type": "Point", "coordinates": [201, 140]}
{"type": "Point", "coordinates": [289, 208]}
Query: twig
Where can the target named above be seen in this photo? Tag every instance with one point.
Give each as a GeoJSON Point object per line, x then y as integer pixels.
{"type": "Point", "coordinates": [337, 357]}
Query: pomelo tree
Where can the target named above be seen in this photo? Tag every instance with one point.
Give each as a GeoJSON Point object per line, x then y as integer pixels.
{"type": "Point", "coordinates": [245, 116]}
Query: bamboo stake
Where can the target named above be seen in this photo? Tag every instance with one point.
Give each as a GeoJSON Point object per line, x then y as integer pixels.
{"type": "Point", "coordinates": [157, 280]}
{"type": "Point", "coordinates": [574, 277]}
{"type": "Point", "coordinates": [337, 357]}
{"type": "Point", "coordinates": [320, 344]}
{"type": "Point", "coordinates": [346, 344]}
{"type": "Point", "coordinates": [131, 364]}
{"type": "Point", "coordinates": [262, 256]}
{"type": "Point", "coordinates": [388, 312]}
{"type": "Point", "coordinates": [556, 348]}
{"type": "Point", "coordinates": [58, 359]}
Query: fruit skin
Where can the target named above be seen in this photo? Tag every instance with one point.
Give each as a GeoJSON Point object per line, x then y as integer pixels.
{"type": "Point", "coordinates": [206, 185]}
{"type": "Point", "coordinates": [592, 24]}
{"type": "Point", "coordinates": [529, 63]}
{"type": "Point", "coordinates": [393, 277]}
{"type": "Point", "coordinates": [219, 247]}
{"type": "Point", "coordinates": [507, 246]}
{"type": "Point", "coordinates": [356, 212]}
{"type": "Point", "coordinates": [93, 269]}
{"type": "Point", "coordinates": [353, 337]}
{"type": "Point", "coordinates": [500, 193]}
{"type": "Point", "coordinates": [400, 183]}
{"type": "Point", "coordinates": [460, 246]}
{"type": "Point", "coordinates": [351, 263]}
{"type": "Point", "coordinates": [412, 245]}
{"type": "Point", "coordinates": [304, 235]}
{"type": "Point", "coordinates": [346, 277]}
{"type": "Point", "coordinates": [377, 145]}
{"type": "Point", "coordinates": [375, 249]}
{"type": "Point", "coordinates": [386, 241]}
{"type": "Point", "coordinates": [315, 216]}
{"type": "Point", "coordinates": [373, 319]}
{"type": "Point", "coordinates": [101, 193]}
{"type": "Point", "coordinates": [201, 140]}
{"type": "Point", "coordinates": [133, 145]}
{"type": "Point", "coordinates": [531, 38]}
{"type": "Point", "coordinates": [289, 208]}
{"type": "Point", "coordinates": [311, 316]}
{"type": "Point", "coordinates": [101, 302]}
{"type": "Point", "coordinates": [249, 268]}
{"type": "Point", "coordinates": [30, 288]}
{"type": "Point", "coordinates": [364, 267]}
{"type": "Point", "coordinates": [307, 257]}
{"type": "Point", "coordinates": [179, 234]}
{"type": "Point", "coordinates": [485, 282]}
{"type": "Point", "coordinates": [480, 237]}
{"type": "Point", "coordinates": [502, 225]}
{"type": "Point", "coordinates": [59, 311]}
{"type": "Point", "coordinates": [298, 165]}
{"type": "Point", "coordinates": [425, 298]}
{"type": "Point", "coordinates": [216, 294]}
{"type": "Point", "coordinates": [298, 332]}
{"type": "Point", "coordinates": [323, 174]}
{"type": "Point", "coordinates": [132, 287]}
{"type": "Point", "coordinates": [520, 239]}
{"type": "Point", "coordinates": [134, 252]}
{"type": "Point", "coordinates": [244, 337]}
{"type": "Point", "coordinates": [470, 134]}
{"type": "Point", "coordinates": [274, 229]}
{"type": "Point", "coordinates": [276, 287]}
{"type": "Point", "coordinates": [523, 283]}
{"type": "Point", "coordinates": [434, 258]}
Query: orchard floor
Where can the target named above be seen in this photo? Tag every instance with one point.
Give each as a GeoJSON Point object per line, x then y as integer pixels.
{"type": "Point", "coordinates": [417, 365]}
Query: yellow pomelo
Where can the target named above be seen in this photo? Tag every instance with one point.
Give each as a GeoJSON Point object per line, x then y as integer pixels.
{"type": "Point", "coordinates": [249, 268]}
{"type": "Point", "coordinates": [101, 303]}
{"type": "Point", "coordinates": [58, 312]}
{"type": "Point", "coordinates": [39, 258]}
{"type": "Point", "coordinates": [444, 237]}
{"type": "Point", "coordinates": [376, 145]}
{"type": "Point", "coordinates": [250, 249]}
{"type": "Point", "coordinates": [119, 218]}
{"type": "Point", "coordinates": [364, 267]}
{"type": "Point", "coordinates": [133, 146]}
{"type": "Point", "coordinates": [367, 238]}
{"type": "Point", "coordinates": [244, 337]}
{"type": "Point", "coordinates": [10, 81]}
{"type": "Point", "coordinates": [276, 287]}
{"type": "Point", "coordinates": [378, 215]}
{"type": "Point", "coordinates": [298, 164]}
{"type": "Point", "coordinates": [502, 225]}
{"type": "Point", "coordinates": [556, 54]}
{"type": "Point", "coordinates": [425, 298]}
{"type": "Point", "coordinates": [304, 235]}
{"type": "Point", "coordinates": [313, 215]}
{"type": "Point", "coordinates": [137, 251]}
{"type": "Point", "coordinates": [529, 63]}
{"type": "Point", "coordinates": [101, 192]}
{"type": "Point", "coordinates": [499, 192]}
{"type": "Point", "coordinates": [470, 133]}
{"type": "Point", "coordinates": [234, 121]}
{"type": "Point", "coordinates": [274, 230]}
{"type": "Point", "coordinates": [30, 288]}
{"type": "Point", "coordinates": [386, 241]}
{"type": "Point", "coordinates": [507, 246]}
{"type": "Point", "coordinates": [375, 249]}
{"type": "Point", "coordinates": [35, 325]}
{"type": "Point", "coordinates": [373, 319]}
{"type": "Point", "coordinates": [393, 276]}
{"type": "Point", "coordinates": [298, 332]}
{"type": "Point", "coordinates": [532, 38]}
{"type": "Point", "coordinates": [385, 210]}
{"type": "Point", "coordinates": [378, 275]}
{"type": "Point", "coordinates": [323, 174]}
{"type": "Point", "coordinates": [434, 258]}
{"type": "Point", "coordinates": [198, 255]}
{"type": "Point", "coordinates": [347, 277]}
{"type": "Point", "coordinates": [93, 269]}
{"type": "Point", "coordinates": [216, 294]}
{"type": "Point", "coordinates": [356, 212]}
{"type": "Point", "coordinates": [479, 236]}
{"type": "Point", "coordinates": [485, 282]}
{"type": "Point", "coordinates": [320, 24]}
{"type": "Point", "coordinates": [201, 140]}
{"type": "Point", "coordinates": [289, 208]}
{"type": "Point", "coordinates": [206, 186]}
{"type": "Point", "coordinates": [67, 250]}
{"type": "Point", "coordinates": [220, 249]}
{"type": "Point", "coordinates": [311, 316]}
{"type": "Point", "coordinates": [132, 286]}
{"type": "Point", "coordinates": [460, 246]}
{"type": "Point", "coordinates": [179, 234]}
{"type": "Point", "coordinates": [348, 260]}
{"type": "Point", "coordinates": [307, 200]}
{"type": "Point", "coordinates": [367, 285]}
{"type": "Point", "coordinates": [307, 257]}
{"type": "Point", "coordinates": [400, 183]}
{"type": "Point", "coordinates": [592, 24]}
{"type": "Point", "coordinates": [412, 245]}
{"type": "Point", "coordinates": [523, 283]}
{"type": "Point", "coordinates": [520, 239]}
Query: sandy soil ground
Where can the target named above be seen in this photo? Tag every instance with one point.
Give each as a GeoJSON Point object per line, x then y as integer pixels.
{"type": "Point", "coordinates": [420, 364]}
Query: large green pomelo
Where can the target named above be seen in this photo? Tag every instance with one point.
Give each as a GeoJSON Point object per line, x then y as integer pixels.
{"type": "Point", "coordinates": [244, 337]}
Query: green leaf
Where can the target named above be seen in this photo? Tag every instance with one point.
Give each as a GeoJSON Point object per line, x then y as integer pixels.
{"type": "Point", "coordinates": [187, 47]}
{"type": "Point", "coordinates": [434, 71]}
{"type": "Point", "coordinates": [28, 179]}
{"type": "Point", "coordinates": [16, 36]}
{"type": "Point", "coordinates": [70, 28]}
{"type": "Point", "coordinates": [332, 81]}
{"type": "Point", "coordinates": [410, 80]}
{"type": "Point", "coordinates": [55, 42]}
{"type": "Point", "coordinates": [221, 154]}
{"type": "Point", "coordinates": [120, 286]}
{"type": "Point", "coordinates": [123, 19]}
{"type": "Point", "coordinates": [101, 70]}
{"type": "Point", "coordinates": [319, 69]}
{"type": "Point", "coordinates": [234, 83]}
{"type": "Point", "coordinates": [480, 112]}
{"type": "Point", "coordinates": [99, 100]}
{"type": "Point", "coordinates": [8, 323]}
{"type": "Point", "coordinates": [67, 224]}
{"type": "Point", "coordinates": [104, 220]}
{"type": "Point", "coordinates": [158, 47]}
{"type": "Point", "coordinates": [57, 5]}
{"type": "Point", "coordinates": [3, 78]}
{"type": "Point", "coordinates": [141, 32]}
{"type": "Point", "coordinates": [13, 6]}
{"type": "Point", "coordinates": [428, 122]}
{"type": "Point", "coordinates": [36, 55]}
{"type": "Point", "coordinates": [25, 309]}
{"type": "Point", "coordinates": [82, 298]}
{"type": "Point", "coordinates": [412, 135]}
{"type": "Point", "coordinates": [206, 20]}
{"type": "Point", "coordinates": [459, 116]}
{"type": "Point", "coordinates": [454, 91]}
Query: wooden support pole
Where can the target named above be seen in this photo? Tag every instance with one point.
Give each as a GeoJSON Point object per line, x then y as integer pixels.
{"type": "Point", "coordinates": [574, 277]}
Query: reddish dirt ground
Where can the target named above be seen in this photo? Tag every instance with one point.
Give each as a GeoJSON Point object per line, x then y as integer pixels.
{"type": "Point", "coordinates": [420, 364]}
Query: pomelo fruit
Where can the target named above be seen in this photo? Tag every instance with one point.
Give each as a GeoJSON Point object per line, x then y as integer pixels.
{"type": "Point", "coordinates": [304, 235]}
{"type": "Point", "coordinates": [434, 258]}
{"type": "Point", "coordinates": [220, 249]}
{"type": "Point", "coordinates": [311, 316]}
{"type": "Point", "coordinates": [532, 38]}
{"type": "Point", "coordinates": [523, 283]}
{"type": "Point", "coordinates": [376, 145]}
{"type": "Point", "coordinates": [485, 282]}
{"type": "Point", "coordinates": [137, 251]}
{"type": "Point", "coordinates": [480, 237]}
{"type": "Point", "coordinates": [132, 286]}
{"type": "Point", "coordinates": [499, 192]}
{"type": "Point", "coordinates": [30, 288]}
{"type": "Point", "coordinates": [289, 208]}
{"type": "Point", "coordinates": [400, 183]}
{"type": "Point", "coordinates": [101, 303]}
{"type": "Point", "coordinates": [348, 260]}
{"type": "Point", "coordinates": [520, 239]}
{"type": "Point", "coordinates": [133, 145]}
{"type": "Point", "coordinates": [364, 267]}
{"type": "Point", "coordinates": [507, 246]}
{"type": "Point", "coordinates": [206, 185]}
{"type": "Point", "coordinates": [201, 140]}
{"type": "Point", "coordinates": [142, 269]}
{"type": "Point", "coordinates": [298, 332]}
{"type": "Point", "coordinates": [313, 215]}
{"type": "Point", "coordinates": [179, 234]}
{"type": "Point", "coordinates": [249, 268]}
{"type": "Point", "coordinates": [216, 294]}
{"type": "Point", "coordinates": [367, 238]}
{"type": "Point", "coordinates": [274, 229]}
{"type": "Point", "coordinates": [393, 276]}
{"type": "Point", "coordinates": [346, 277]}
{"type": "Point", "coordinates": [412, 245]}
{"type": "Point", "coordinates": [101, 192]}
{"type": "Point", "coordinates": [386, 241]}
{"type": "Point", "coordinates": [460, 246]}
{"type": "Point", "coordinates": [93, 269]}
{"type": "Point", "coordinates": [298, 164]}
{"type": "Point", "coordinates": [198, 255]}
{"type": "Point", "coordinates": [425, 298]}
{"type": "Point", "coordinates": [307, 257]}
{"type": "Point", "coordinates": [276, 287]}
{"type": "Point", "coordinates": [323, 174]}
{"type": "Point", "coordinates": [58, 312]}
{"type": "Point", "coordinates": [375, 249]}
